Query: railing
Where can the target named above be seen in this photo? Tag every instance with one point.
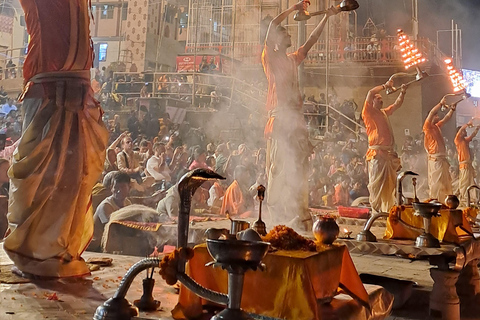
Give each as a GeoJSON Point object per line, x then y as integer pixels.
{"type": "Point", "coordinates": [195, 90]}
{"type": "Point", "coordinates": [328, 113]}
{"type": "Point", "coordinates": [11, 63]}
{"type": "Point", "coordinates": [360, 49]}
{"type": "Point", "coordinates": [192, 88]}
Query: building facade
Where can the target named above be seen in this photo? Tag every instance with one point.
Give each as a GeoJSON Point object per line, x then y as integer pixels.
{"type": "Point", "coordinates": [136, 35]}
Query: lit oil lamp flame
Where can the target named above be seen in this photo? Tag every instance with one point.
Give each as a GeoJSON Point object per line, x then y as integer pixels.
{"type": "Point", "coordinates": [410, 55]}
{"type": "Point", "coordinates": [346, 233]}
{"type": "Point", "coordinates": [456, 78]}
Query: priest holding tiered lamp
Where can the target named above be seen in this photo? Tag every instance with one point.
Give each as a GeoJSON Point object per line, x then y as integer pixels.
{"type": "Point", "coordinates": [467, 172]}
{"type": "Point", "coordinates": [439, 179]}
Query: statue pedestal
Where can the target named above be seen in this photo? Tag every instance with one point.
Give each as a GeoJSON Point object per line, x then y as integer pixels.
{"type": "Point", "coordinates": [444, 298]}
{"type": "Point", "coordinates": [468, 284]}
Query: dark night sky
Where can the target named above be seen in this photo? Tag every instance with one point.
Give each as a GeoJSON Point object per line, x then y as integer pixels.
{"type": "Point", "coordinates": [433, 15]}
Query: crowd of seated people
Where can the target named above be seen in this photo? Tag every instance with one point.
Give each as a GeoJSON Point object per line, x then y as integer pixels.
{"type": "Point", "coordinates": [155, 153]}
{"type": "Point", "coordinates": [155, 159]}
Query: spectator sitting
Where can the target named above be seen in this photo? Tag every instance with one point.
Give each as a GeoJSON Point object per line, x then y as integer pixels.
{"type": "Point", "coordinates": [3, 95]}
{"type": "Point", "coordinates": [204, 65]}
{"type": "Point", "coordinates": [342, 196]}
{"type": "Point", "coordinates": [111, 158]}
{"type": "Point", "coordinates": [118, 199]}
{"type": "Point", "coordinates": [128, 161]}
{"type": "Point", "coordinates": [236, 200]}
{"type": "Point", "coordinates": [222, 155]}
{"type": "Point", "coordinates": [329, 197]}
{"type": "Point", "coordinates": [156, 165]}
{"type": "Point", "coordinates": [199, 159]}
{"type": "Point", "coordinates": [168, 206]}
{"type": "Point", "coordinates": [7, 152]}
{"type": "Point", "coordinates": [215, 198]}
{"type": "Point", "coordinates": [10, 70]}
{"type": "Point", "coordinates": [358, 190]}
{"type": "Point", "coordinates": [9, 106]}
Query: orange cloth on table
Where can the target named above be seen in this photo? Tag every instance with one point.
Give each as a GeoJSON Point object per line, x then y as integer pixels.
{"type": "Point", "coordinates": [441, 227]}
{"type": "Point", "coordinates": [378, 128]}
{"type": "Point", "coordinates": [293, 286]}
{"type": "Point", "coordinates": [233, 200]}
{"type": "Point", "coordinates": [470, 212]}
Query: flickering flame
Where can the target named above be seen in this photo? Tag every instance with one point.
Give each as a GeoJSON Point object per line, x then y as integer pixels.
{"type": "Point", "coordinates": [410, 55]}
{"type": "Point", "coordinates": [455, 77]}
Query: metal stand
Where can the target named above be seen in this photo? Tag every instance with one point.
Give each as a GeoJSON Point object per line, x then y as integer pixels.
{"type": "Point", "coordinates": [427, 239]}
{"type": "Point", "coordinates": [147, 302]}
{"type": "Point", "coordinates": [236, 274]}
{"type": "Point", "coordinates": [235, 290]}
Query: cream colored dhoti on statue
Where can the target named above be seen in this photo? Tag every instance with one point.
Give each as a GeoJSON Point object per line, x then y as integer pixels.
{"type": "Point", "coordinates": [466, 178]}
{"type": "Point", "coordinates": [55, 166]}
{"type": "Point", "coordinates": [439, 179]}
{"type": "Point", "coordinates": [382, 172]}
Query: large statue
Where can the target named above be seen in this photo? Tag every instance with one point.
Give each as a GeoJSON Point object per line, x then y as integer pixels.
{"type": "Point", "coordinates": [383, 161]}
{"type": "Point", "coordinates": [466, 175]}
{"type": "Point", "coordinates": [62, 148]}
{"type": "Point", "coordinates": [439, 179]}
{"type": "Point", "coordinates": [288, 147]}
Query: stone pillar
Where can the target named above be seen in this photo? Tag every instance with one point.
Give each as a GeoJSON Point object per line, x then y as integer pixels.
{"type": "Point", "coordinates": [444, 298]}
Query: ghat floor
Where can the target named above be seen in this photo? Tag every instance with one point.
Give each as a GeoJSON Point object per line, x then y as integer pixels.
{"type": "Point", "coordinates": [79, 298]}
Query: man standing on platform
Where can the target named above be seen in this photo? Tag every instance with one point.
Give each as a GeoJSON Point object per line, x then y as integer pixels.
{"type": "Point", "coordinates": [467, 174]}
{"type": "Point", "coordinates": [62, 148]}
{"type": "Point", "coordinates": [439, 179]}
{"type": "Point", "coordinates": [383, 161]}
{"type": "Point", "coordinates": [288, 147]}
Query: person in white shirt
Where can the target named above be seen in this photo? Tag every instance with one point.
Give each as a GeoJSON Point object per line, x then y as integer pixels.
{"type": "Point", "coordinates": [9, 106]}
{"type": "Point", "coordinates": [156, 165]}
{"type": "Point", "coordinates": [118, 199]}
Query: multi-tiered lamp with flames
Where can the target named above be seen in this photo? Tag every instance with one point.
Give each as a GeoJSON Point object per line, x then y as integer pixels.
{"type": "Point", "coordinates": [411, 57]}
{"type": "Point", "coordinates": [458, 83]}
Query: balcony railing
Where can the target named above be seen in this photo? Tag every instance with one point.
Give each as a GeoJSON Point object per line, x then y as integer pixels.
{"type": "Point", "coordinates": [186, 88]}
{"type": "Point", "coordinates": [11, 63]}
{"type": "Point", "coordinates": [358, 50]}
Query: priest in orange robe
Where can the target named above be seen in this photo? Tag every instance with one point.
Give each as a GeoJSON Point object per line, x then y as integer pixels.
{"type": "Point", "coordinates": [439, 179]}
{"type": "Point", "coordinates": [62, 148]}
{"type": "Point", "coordinates": [288, 147]}
{"type": "Point", "coordinates": [383, 161]}
{"type": "Point", "coordinates": [237, 200]}
{"type": "Point", "coordinates": [467, 173]}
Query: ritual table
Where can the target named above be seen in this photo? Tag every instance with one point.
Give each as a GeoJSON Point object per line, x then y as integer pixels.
{"type": "Point", "coordinates": [295, 285]}
{"type": "Point", "coordinates": [399, 226]}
